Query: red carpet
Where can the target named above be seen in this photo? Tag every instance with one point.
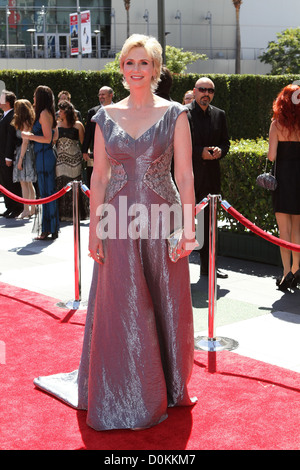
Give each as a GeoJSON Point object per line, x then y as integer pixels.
{"type": "Point", "coordinates": [244, 405]}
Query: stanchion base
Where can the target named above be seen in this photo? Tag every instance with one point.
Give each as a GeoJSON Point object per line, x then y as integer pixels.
{"type": "Point", "coordinates": [215, 344]}
{"type": "Point", "coordinates": [72, 305]}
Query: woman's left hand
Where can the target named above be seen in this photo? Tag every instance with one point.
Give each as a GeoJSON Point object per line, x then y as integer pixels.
{"type": "Point", "coordinates": [96, 250]}
{"type": "Point", "coordinates": [26, 135]}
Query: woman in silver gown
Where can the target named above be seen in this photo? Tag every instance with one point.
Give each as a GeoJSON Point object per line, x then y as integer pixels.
{"type": "Point", "coordinates": [138, 346]}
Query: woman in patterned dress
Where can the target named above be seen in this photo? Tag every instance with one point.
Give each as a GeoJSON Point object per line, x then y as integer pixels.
{"type": "Point", "coordinates": [70, 135]}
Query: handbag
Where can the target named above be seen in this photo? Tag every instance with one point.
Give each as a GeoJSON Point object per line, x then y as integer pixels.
{"type": "Point", "coordinates": [267, 180]}
{"type": "Point", "coordinates": [54, 150]}
{"type": "Point", "coordinates": [173, 242]}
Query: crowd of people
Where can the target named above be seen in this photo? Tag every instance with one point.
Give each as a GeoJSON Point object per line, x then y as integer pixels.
{"type": "Point", "coordinates": [140, 298]}
{"type": "Point", "coordinates": [42, 150]}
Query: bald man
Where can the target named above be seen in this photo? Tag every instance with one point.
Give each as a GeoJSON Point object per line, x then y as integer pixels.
{"type": "Point", "coordinates": [105, 96]}
{"type": "Point", "coordinates": [210, 144]}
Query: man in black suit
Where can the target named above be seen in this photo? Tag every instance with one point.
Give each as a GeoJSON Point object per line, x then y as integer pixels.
{"type": "Point", "coordinates": [210, 144]}
{"type": "Point", "coordinates": [105, 95]}
{"type": "Point", "coordinates": [8, 144]}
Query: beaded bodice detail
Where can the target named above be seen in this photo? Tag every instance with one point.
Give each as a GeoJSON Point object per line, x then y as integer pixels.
{"type": "Point", "coordinates": [117, 180]}
{"type": "Point", "coordinates": [145, 161]}
{"type": "Point", "coordinates": [157, 177]}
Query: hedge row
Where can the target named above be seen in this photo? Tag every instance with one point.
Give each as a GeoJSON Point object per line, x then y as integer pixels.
{"type": "Point", "coordinates": [247, 99]}
{"type": "Point", "coordinates": [245, 160]}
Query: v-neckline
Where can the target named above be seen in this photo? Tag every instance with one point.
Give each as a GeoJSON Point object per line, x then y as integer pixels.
{"type": "Point", "coordinates": [146, 131]}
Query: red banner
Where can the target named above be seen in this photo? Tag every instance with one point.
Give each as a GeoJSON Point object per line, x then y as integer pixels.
{"type": "Point", "coordinates": [13, 17]}
{"type": "Point", "coordinates": [74, 33]}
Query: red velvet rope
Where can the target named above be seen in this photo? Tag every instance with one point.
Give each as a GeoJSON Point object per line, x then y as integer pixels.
{"type": "Point", "coordinates": [86, 190]}
{"type": "Point", "coordinates": [36, 201]}
{"type": "Point", "coordinates": [240, 218]}
{"type": "Point", "coordinates": [199, 207]}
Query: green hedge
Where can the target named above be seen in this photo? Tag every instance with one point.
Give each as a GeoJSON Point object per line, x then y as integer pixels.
{"type": "Point", "coordinates": [83, 86]}
{"type": "Point", "coordinates": [239, 169]}
{"type": "Point", "coordinates": [247, 99]}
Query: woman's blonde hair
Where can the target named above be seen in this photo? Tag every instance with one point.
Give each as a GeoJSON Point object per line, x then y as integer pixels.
{"type": "Point", "coordinates": [153, 49]}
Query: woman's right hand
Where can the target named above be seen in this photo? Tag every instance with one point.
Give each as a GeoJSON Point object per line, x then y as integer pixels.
{"type": "Point", "coordinates": [96, 250]}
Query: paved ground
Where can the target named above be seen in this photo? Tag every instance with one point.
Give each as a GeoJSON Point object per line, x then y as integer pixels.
{"type": "Point", "coordinates": [249, 309]}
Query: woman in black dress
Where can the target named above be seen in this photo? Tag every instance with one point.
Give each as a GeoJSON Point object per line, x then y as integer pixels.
{"type": "Point", "coordinates": [284, 150]}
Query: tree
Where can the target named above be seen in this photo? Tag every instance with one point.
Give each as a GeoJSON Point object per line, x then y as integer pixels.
{"type": "Point", "coordinates": [284, 55]}
{"type": "Point", "coordinates": [127, 6]}
{"type": "Point", "coordinates": [237, 5]}
{"type": "Point", "coordinates": [176, 60]}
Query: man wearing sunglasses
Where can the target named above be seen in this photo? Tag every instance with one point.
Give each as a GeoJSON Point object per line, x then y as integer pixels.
{"type": "Point", "coordinates": [210, 144]}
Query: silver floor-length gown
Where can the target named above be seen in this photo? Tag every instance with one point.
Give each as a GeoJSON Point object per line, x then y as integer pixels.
{"type": "Point", "coordinates": [138, 346]}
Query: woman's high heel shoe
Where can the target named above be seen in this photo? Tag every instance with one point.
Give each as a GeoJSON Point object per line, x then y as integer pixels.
{"type": "Point", "coordinates": [24, 215]}
{"type": "Point", "coordinates": [43, 236]}
{"type": "Point", "coordinates": [46, 235]}
{"type": "Point", "coordinates": [286, 282]}
{"type": "Point", "coordinates": [296, 279]}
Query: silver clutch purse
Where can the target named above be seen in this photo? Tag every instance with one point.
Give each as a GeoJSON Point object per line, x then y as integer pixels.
{"type": "Point", "coordinates": [267, 180]}
{"type": "Point", "coordinates": [173, 242]}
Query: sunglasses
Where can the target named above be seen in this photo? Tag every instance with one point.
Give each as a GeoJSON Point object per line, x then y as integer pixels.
{"type": "Point", "coordinates": [208, 90]}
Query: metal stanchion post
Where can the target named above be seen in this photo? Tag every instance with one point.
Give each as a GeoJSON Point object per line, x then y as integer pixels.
{"type": "Point", "coordinates": [212, 342]}
{"type": "Point", "coordinates": [76, 303]}
{"type": "Point", "coordinates": [76, 230]}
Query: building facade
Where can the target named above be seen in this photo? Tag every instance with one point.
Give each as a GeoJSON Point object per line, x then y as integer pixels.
{"type": "Point", "coordinates": [36, 33]}
{"type": "Point", "coordinates": [40, 28]}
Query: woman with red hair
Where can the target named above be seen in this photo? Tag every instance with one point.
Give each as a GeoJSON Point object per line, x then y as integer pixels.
{"type": "Point", "coordinates": [284, 150]}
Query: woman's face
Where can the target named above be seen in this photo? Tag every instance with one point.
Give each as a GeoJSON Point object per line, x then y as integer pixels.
{"type": "Point", "coordinates": [138, 68]}
{"type": "Point", "coordinates": [61, 113]}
